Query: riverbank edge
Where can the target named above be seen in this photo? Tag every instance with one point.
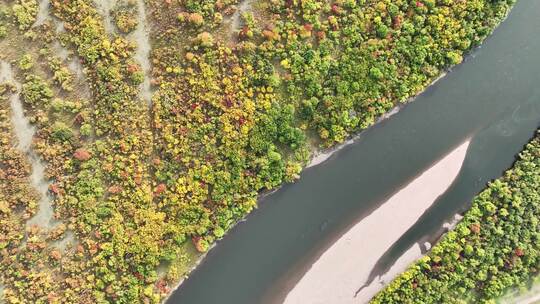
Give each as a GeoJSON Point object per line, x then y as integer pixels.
{"type": "Point", "coordinates": [436, 242]}
{"type": "Point", "coordinates": [335, 253]}
{"type": "Point", "coordinates": [329, 152]}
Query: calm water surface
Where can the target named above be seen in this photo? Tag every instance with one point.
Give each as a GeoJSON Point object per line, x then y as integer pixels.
{"type": "Point", "coordinates": [493, 97]}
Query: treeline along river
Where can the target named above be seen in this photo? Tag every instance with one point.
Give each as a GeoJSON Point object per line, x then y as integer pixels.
{"type": "Point", "coordinates": [493, 98]}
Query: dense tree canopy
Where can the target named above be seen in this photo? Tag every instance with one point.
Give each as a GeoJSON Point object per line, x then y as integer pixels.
{"type": "Point", "coordinates": [242, 94]}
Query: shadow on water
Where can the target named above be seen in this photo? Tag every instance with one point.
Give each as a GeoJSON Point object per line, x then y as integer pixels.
{"type": "Point", "coordinates": [483, 164]}
{"type": "Point", "coordinates": [492, 98]}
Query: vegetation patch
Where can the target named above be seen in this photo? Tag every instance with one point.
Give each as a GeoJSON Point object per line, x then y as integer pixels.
{"type": "Point", "coordinates": [125, 16]}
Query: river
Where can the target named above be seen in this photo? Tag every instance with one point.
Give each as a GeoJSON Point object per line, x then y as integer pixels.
{"type": "Point", "coordinates": [493, 98]}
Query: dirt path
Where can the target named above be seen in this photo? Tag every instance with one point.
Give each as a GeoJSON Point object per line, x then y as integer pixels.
{"type": "Point", "coordinates": [24, 133]}
{"type": "Point", "coordinates": [43, 12]}
{"type": "Point", "coordinates": [104, 8]}
{"type": "Point", "coordinates": [141, 36]}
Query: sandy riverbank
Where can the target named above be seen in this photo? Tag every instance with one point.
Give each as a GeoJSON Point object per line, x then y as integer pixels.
{"type": "Point", "coordinates": [340, 271]}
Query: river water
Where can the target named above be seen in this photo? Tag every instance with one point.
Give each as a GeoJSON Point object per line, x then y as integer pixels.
{"type": "Point", "coordinates": [493, 99]}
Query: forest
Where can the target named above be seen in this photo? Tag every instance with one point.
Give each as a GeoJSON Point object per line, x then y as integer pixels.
{"type": "Point", "coordinates": [241, 99]}
{"type": "Point", "coordinates": [493, 249]}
